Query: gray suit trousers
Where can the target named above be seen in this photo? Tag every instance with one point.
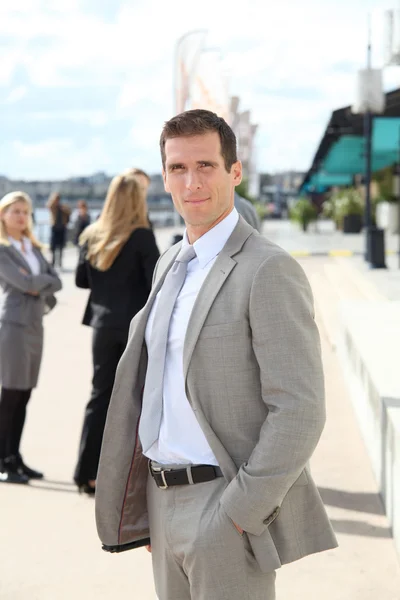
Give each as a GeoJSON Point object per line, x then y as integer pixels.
{"type": "Point", "coordinates": [197, 552]}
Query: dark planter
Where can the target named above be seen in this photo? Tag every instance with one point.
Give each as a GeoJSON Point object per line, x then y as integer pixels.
{"type": "Point", "coordinates": [352, 224]}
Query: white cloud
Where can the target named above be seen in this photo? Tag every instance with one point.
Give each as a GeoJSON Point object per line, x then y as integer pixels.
{"type": "Point", "coordinates": [94, 118]}
{"type": "Point", "coordinates": [16, 94]}
{"type": "Point", "coordinates": [59, 158]}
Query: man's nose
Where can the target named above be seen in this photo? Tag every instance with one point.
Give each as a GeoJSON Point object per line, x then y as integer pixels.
{"type": "Point", "coordinates": [193, 181]}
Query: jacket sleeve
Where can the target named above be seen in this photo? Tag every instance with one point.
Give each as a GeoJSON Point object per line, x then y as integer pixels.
{"type": "Point", "coordinates": [81, 273]}
{"type": "Point", "coordinates": [149, 255]}
{"type": "Point", "coordinates": [26, 283]}
{"type": "Point", "coordinates": [55, 285]}
{"type": "Point", "coordinates": [287, 349]}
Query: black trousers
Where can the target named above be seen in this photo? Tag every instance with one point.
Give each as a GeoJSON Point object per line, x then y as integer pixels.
{"type": "Point", "coordinates": [108, 344]}
{"type": "Point", "coordinates": [57, 243]}
{"type": "Point", "coordinates": [12, 419]}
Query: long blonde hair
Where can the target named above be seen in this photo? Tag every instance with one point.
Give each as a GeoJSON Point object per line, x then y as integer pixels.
{"type": "Point", "coordinates": [5, 203]}
{"type": "Point", "coordinates": [124, 211]}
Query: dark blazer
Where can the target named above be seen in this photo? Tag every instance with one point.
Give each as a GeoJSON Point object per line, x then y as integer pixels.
{"type": "Point", "coordinates": [80, 225]}
{"type": "Point", "coordinates": [120, 292]}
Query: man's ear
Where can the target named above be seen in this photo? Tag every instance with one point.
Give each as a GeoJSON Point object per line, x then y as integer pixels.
{"type": "Point", "coordinates": [237, 172]}
{"type": "Point", "coordinates": [166, 186]}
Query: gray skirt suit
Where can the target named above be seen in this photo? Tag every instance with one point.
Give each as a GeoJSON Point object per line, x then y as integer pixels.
{"type": "Point", "coordinates": [21, 316]}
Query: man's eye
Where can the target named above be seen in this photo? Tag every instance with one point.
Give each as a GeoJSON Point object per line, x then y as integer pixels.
{"type": "Point", "coordinates": [205, 164]}
{"type": "Point", "coordinates": [176, 167]}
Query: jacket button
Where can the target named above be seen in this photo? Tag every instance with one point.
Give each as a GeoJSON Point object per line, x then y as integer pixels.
{"type": "Point", "coordinates": [272, 516]}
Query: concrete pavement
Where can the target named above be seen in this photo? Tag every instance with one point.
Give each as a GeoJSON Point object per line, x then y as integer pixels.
{"type": "Point", "coordinates": [321, 238]}
{"type": "Point", "coordinates": [50, 549]}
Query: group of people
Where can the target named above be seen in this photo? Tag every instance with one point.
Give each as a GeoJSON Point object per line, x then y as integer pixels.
{"type": "Point", "coordinates": [117, 257]}
{"type": "Point", "coordinates": [118, 253]}
{"type": "Point", "coordinates": [198, 445]}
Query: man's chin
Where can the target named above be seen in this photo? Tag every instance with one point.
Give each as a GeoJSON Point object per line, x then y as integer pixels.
{"type": "Point", "coordinates": [197, 223]}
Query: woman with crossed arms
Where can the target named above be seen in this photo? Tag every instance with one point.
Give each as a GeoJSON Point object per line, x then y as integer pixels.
{"type": "Point", "coordinates": [28, 283]}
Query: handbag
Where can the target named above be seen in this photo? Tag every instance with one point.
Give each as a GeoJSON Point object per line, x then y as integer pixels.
{"type": "Point", "coordinates": [49, 303]}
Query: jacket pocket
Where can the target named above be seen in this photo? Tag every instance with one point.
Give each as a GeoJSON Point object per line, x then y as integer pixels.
{"type": "Point", "coordinates": [224, 330]}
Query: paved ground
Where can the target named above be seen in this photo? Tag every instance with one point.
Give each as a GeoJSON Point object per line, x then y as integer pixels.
{"type": "Point", "coordinates": [50, 549]}
{"type": "Point", "coordinates": [321, 237]}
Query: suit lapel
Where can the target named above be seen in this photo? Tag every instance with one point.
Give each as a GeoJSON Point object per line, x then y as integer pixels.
{"type": "Point", "coordinates": [211, 287]}
{"type": "Point", "coordinates": [209, 290]}
{"type": "Point", "coordinates": [20, 259]}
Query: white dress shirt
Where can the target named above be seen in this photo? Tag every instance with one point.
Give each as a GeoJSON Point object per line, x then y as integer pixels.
{"type": "Point", "coordinates": [181, 438]}
{"type": "Point", "coordinates": [29, 255]}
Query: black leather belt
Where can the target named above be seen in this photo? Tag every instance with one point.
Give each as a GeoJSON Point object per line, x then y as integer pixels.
{"type": "Point", "coordinates": [166, 478]}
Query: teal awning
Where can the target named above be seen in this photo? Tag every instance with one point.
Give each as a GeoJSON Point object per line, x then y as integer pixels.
{"type": "Point", "coordinates": [347, 154]}
{"type": "Point", "coordinates": [328, 179]}
{"type": "Point", "coordinates": [386, 135]}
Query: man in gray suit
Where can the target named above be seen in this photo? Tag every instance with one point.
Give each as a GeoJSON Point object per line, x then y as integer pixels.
{"type": "Point", "coordinates": [218, 401]}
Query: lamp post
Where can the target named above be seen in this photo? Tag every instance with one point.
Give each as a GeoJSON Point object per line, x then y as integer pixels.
{"type": "Point", "coordinates": [370, 101]}
{"type": "Point", "coordinates": [398, 195]}
{"type": "Point", "coordinates": [368, 157]}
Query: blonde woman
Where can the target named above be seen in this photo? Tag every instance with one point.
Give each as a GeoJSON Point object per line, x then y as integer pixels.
{"type": "Point", "coordinates": [117, 259]}
{"type": "Point", "coordinates": [28, 283]}
{"type": "Point", "coordinates": [60, 214]}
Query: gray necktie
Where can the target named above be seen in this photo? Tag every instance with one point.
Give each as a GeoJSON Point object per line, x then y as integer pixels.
{"type": "Point", "coordinates": [150, 419]}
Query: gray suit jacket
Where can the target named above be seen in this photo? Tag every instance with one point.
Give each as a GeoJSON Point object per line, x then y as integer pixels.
{"type": "Point", "coordinates": [254, 379]}
{"type": "Point", "coordinates": [16, 304]}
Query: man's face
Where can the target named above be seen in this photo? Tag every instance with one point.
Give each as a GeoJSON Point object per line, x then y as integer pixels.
{"type": "Point", "coordinates": [195, 176]}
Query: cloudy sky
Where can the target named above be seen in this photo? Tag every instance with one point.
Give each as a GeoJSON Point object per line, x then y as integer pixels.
{"type": "Point", "coordinates": [86, 85]}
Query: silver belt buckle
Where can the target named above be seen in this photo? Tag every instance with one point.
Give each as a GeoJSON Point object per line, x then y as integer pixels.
{"type": "Point", "coordinates": [162, 472]}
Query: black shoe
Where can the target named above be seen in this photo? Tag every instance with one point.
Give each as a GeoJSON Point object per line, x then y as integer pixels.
{"type": "Point", "coordinates": [9, 474]}
{"type": "Point", "coordinates": [23, 469]}
{"type": "Point", "coordinates": [87, 489]}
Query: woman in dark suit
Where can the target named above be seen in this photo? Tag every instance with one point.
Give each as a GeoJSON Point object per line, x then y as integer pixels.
{"type": "Point", "coordinates": [28, 283]}
{"type": "Point", "coordinates": [60, 214]}
{"type": "Point", "coordinates": [117, 259]}
{"type": "Point", "coordinates": [83, 220]}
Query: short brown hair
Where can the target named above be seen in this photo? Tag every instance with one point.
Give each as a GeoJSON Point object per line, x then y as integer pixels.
{"type": "Point", "coordinates": [198, 122]}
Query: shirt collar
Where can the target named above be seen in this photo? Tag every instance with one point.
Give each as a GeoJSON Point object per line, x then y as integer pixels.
{"type": "Point", "coordinates": [209, 245]}
{"type": "Point", "coordinates": [17, 244]}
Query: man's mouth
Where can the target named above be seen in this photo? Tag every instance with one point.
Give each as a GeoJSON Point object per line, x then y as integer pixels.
{"type": "Point", "coordinates": [196, 200]}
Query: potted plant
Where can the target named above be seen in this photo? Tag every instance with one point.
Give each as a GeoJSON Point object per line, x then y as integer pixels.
{"type": "Point", "coordinates": [330, 207]}
{"type": "Point", "coordinates": [303, 212]}
{"type": "Point", "coordinates": [349, 210]}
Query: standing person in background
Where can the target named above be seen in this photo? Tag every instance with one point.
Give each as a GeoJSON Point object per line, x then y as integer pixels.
{"type": "Point", "coordinates": [117, 260]}
{"type": "Point", "coordinates": [248, 212]}
{"type": "Point", "coordinates": [144, 181]}
{"type": "Point", "coordinates": [82, 221]}
{"type": "Point", "coordinates": [141, 177]}
{"type": "Point", "coordinates": [28, 283]}
{"type": "Point", "coordinates": [60, 214]}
